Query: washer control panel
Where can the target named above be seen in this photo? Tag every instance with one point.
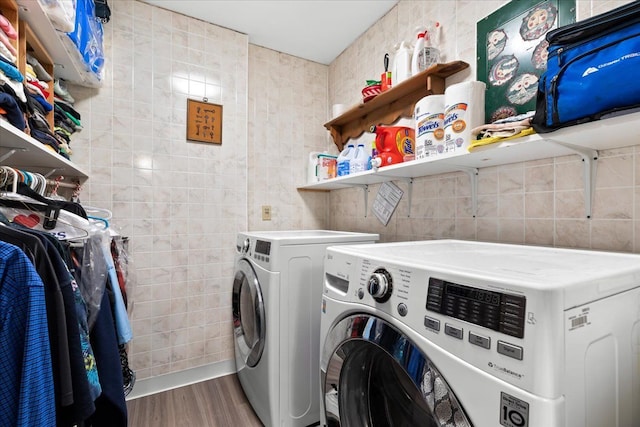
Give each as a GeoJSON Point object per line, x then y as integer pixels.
{"type": "Point", "coordinates": [494, 310]}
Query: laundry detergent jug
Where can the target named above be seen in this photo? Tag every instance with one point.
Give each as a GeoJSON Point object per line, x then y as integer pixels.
{"type": "Point", "coordinates": [395, 144]}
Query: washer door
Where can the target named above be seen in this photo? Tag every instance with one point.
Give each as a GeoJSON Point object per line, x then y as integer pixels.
{"type": "Point", "coordinates": [248, 314]}
{"type": "Point", "coordinates": [373, 375]}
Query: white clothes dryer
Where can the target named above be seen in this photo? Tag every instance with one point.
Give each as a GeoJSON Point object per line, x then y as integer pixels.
{"type": "Point", "coordinates": [456, 333]}
{"type": "Point", "coordinates": [276, 301]}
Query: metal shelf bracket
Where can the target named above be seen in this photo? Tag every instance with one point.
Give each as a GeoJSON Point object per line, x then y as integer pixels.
{"type": "Point", "coordinates": [589, 169]}
{"type": "Point", "coordinates": [365, 189]}
{"type": "Point", "coordinates": [11, 152]}
{"type": "Point", "coordinates": [409, 182]}
{"type": "Point", "coordinates": [472, 173]}
{"type": "Point", "coordinates": [52, 171]}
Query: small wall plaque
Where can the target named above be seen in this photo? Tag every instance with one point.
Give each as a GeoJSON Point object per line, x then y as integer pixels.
{"type": "Point", "coordinates": [204, 122]}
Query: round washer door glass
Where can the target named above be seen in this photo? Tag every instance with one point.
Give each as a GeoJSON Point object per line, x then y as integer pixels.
{"type": "Point", "coordinates": [375, 376]}
{"type": "Point", "coordinates": [248, 314]}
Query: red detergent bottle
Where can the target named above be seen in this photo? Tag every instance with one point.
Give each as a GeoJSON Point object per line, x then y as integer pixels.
{"type": "Point", "coordinates": [395, 144]}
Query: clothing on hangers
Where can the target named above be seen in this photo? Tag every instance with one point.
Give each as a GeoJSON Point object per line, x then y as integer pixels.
{"type": "Point", "coordinates": [27, 389]}
{"type": "Point", "coordinates": [82, 357]}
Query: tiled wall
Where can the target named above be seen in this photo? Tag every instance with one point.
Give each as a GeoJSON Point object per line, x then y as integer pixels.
{"type": "Point", "coordinates": [540, 202]}
{"type": "Point", "coordinates": [287, 106]}
{"type": "Point", "coordinates": [180, 202]}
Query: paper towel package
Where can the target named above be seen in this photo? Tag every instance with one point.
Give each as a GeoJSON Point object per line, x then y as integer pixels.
{"type": "Point", "coordinates": [429, 122]}
{"type": "Point", "coordinates": [464, 110]}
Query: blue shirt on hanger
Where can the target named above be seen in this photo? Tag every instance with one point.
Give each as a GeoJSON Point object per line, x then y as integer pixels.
{"type": "Point", "coordinates": [26, 390]}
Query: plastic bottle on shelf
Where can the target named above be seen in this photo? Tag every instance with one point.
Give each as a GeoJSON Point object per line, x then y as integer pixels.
{"type": "Point", "coordinates": [402, 62]}
{"type": "Point", "coordinates": [417, 49]}
{"type": "Point", "coordinates": [425, 54]}
{"type": "Point", "coordinates": [373, 160]}
{"type": "Point", "coordinates": [359, 161]}
{"type": "Point", "coordinates": [344, 159]}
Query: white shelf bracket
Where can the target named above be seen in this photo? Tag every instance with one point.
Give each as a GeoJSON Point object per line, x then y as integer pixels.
{"type": "Point", "coordinates": [589, 168]}
{"type": "Point", "coordinates": [409, 182]}
{"type": "Point", "coordinates": [473, 179]}
{"type": "Point", "coordinates": [365, 189]}
{"type": "Point", "coordinates": [52, 171]}
{"type": "Point", "coordinates": [11, 152]}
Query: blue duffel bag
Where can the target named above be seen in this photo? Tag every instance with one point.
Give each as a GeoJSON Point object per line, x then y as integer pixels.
{"type": "Point", "coordinates": [593, 70]}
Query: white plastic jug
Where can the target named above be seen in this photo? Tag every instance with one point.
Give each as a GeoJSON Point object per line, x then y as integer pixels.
{"type": "Point", "coordinates": [402, 62]}
{"type": "Point", "coordinates": [360, 160]}
{"type": "Point", "coordinates": [344, 160]}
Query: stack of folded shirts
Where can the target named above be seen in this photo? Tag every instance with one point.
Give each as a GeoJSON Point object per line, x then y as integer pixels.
{"type": "Point", "coordinates": [12, 96]}
{"type": "Point", "coordinates": [38, 89]}
{"type": "Point", "coordinates": [23, 98]}
{"type": "Point", "coordinates": [66, 118]}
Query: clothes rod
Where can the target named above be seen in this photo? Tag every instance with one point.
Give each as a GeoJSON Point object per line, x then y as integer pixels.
{"type": "Point", "coordinates": [52, 183]}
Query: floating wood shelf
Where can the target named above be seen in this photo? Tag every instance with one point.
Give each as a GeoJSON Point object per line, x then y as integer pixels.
{"type": "Point", "coordinates": [392, 104]}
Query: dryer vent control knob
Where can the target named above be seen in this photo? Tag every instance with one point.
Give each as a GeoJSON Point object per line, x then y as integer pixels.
{"type": "Point", "coordinates": [245, 246]}
{"type": "Point", "coordinates": [379, 285]}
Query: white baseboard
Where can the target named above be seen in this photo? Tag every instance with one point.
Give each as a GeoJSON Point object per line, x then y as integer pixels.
{"type": "Point", "coordinates": [173, 380]}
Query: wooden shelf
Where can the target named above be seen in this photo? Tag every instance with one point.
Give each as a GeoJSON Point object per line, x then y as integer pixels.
{"type": "Point", "coordinates": [68, 64]}
{"type": "Point", "coordinates": [392, 104]}
{"type": "Point", "coordinates": [19, 150]}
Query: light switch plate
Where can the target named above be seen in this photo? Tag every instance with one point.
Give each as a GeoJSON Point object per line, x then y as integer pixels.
{"type": "Point", "coordinates": [266, 213]}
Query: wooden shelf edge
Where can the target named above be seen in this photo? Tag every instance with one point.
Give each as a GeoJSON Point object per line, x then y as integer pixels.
{"type": "Point", "coordinates": [389, 106]}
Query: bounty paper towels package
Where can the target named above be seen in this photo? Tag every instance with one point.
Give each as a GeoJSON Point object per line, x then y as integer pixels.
{"type": "Point", "coordinates": [464, 110]}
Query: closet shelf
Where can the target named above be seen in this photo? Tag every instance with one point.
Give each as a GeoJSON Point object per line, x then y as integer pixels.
{"type": "Point", "coordinates": [392, 104]}
{"type": "Point", "coordinates": [68, 64]}
{"type": "Point", "coordinates": [19, 150]}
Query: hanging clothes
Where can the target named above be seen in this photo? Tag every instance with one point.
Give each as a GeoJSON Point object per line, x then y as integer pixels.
{"type": "Point", "coordinates": [26, 389]}
{"type": "Point", "coordinates": [111, 408]}
{"type": "Point", "coordinates": [80, 373]}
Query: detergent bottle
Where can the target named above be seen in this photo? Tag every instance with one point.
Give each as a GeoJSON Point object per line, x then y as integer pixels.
{"type": "Point", "coordinates": [395, 144]}
{"type": "Point", "coordinates": [373, 159]}
{"type": "Point", "coordinates": [359, 161]}
{"type": "Point", "coordinates": [344, 159]}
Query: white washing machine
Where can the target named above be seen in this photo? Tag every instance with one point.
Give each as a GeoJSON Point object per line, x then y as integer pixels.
{"type": "Point", "coordinates": [456, 333]}
{"type": "Point", "coordinates": [276, 303]}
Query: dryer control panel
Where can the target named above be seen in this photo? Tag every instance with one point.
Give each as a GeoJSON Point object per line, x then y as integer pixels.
{"type": "Point", "coordinates": [494, 310]}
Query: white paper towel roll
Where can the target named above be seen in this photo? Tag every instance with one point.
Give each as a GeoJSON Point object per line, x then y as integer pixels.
{"type": "Point", "coordinates": [464, 110]}
{"type": "Point", "coordinates": [429, 119]}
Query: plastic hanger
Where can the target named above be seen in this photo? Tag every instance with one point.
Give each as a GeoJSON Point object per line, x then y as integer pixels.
{"type": "Point", "coordinates": [98, 213]}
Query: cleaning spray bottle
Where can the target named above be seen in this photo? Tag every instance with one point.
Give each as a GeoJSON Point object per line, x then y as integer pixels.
{"type": "Point", "coordinates": [425, 53]}
{"type": "Point", "coordinates": [431, 52]}
{"type": "Point", "coordinates": [417, 49]}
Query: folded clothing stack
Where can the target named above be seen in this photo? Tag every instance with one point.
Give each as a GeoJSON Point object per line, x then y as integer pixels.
{"type": "Point", "coordinates": [502, 130]}
{"type": "Point", "coordinates": [12, 96]}
{"type": "Point", "coordinates": [23, 98]}
{"type": "Point", "coordinates": [66, 118]}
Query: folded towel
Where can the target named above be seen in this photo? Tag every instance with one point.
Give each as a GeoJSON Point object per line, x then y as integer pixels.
{"type": "Point", "coordinates": [501, 129]}
{"type": "Point", "coordinates": [7, 28]}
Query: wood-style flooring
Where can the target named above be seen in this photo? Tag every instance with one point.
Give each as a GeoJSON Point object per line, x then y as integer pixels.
{"type": "Point", "coordinates": [215, 403]}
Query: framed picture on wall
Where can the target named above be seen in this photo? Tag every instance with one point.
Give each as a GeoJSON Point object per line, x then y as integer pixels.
{"type": "Point", "coordinates": [512, 52]}
{"type": "Point", "coordinates": [204, 121]}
